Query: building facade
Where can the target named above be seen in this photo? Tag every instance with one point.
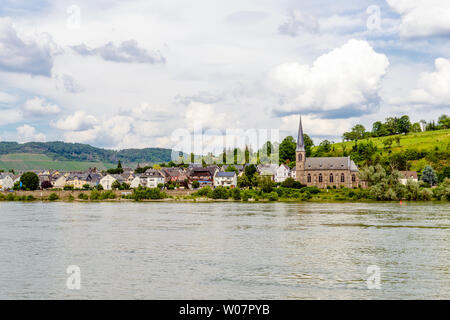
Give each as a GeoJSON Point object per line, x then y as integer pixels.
{"type": "Point", "coordinates": [324, 171]}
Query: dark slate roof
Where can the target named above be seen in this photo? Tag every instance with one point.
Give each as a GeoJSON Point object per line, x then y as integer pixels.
{"type": "Point", "coordinates": [330, 163]}
{"type": "Point", "coordinates": [226, 174]}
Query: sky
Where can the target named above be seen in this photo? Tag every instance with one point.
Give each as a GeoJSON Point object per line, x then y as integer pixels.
{"type": "Point", "coordinates": [127, 74]}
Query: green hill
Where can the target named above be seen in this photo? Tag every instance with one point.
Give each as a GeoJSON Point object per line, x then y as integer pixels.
{"type": "Point", "coordinates": [412, 151]}
{"type": "Point", "coordinates": [73, 156]}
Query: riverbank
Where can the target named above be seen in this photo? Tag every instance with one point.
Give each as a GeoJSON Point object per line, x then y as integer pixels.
{"type": "Point", "coordinates": [200, 196]}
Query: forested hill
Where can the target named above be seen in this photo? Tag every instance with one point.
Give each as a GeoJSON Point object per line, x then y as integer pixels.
{"type": "Point", "coordinates": [64, 151]}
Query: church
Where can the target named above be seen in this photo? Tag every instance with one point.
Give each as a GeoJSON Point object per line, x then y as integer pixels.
{"type": "Point", "coordinates": [324, 171]}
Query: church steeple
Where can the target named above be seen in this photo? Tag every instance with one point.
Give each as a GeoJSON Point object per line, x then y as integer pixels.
{"type": "Point", "coordinates": [300, 142]}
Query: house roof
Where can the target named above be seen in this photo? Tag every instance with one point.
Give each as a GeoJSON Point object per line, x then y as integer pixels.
{"type": "Point", "coordinates": [330, 163]}
{"type": "Point", "coordinates": [225, 174]}
{"type": "Point", "coordinates": [408, 174]}
{"type": "Point", "coordinates": [3, 175]}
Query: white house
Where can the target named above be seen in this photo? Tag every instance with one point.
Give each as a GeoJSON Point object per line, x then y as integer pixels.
{"type": "Point", "coordinates": [281, 173]}
{"type": "Point", "coordinates": [107, 181]}
{"type": "Point", "coordinates": [6, 181]}
{"type": "Point", "coordinates": [408, 175]}
{"type": "Point", "coordinates": [61, 181]}
{"type": "Point", "coordinates": [154, 177]}
{"type": "Point", "coordinates": [225, 179]}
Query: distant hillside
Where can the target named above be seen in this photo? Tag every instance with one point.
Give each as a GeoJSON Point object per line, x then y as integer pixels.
{"type": "Point", "coordinates": [73, 156]}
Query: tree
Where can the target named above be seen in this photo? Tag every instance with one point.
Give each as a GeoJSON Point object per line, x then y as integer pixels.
{"type": "Point", "coordinates": [444, 122]}
{"type": "Point", "coordinates": [30, 181]}
{"type": "Point", "coordinates": [388, 142]}
{"type": "Point", "coordinates": [403, 124]}
{"type": "Point", "coordinates": [195, 184]}
{"type": "Point", "coordinates": [358, 132]}
{"type": "Point", "coordinates": [265, 184]}
{"type": "Point", "coordinates": [247, 154]}
{"type": "Point", "coordinates": [416, 127]}
{"type": "Point", "coordinates": [115, 185]}
{"type": "Point", "coordinates": [308, 144]}
{"type": "Point", "coordinates": [250, 171]}
{"type": "Point", "coordinates": [379, 129]}
{"type": "Point", "coordinates": [429, 176]}
{"type": "Point", "coordinates": [391, 125]}
{"type": "Point", "coordinates": [231, 168]}
{"type": "Point", "coordinates": [287, 149]}
{"type": "Point", "coordinates": [119, 165]}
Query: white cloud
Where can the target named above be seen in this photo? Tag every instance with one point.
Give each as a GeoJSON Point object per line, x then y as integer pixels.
{"type": "Point", "coordinates": [433, 88]}
{"type": "Point", "coordinates": [314, 126]}
{"type": "Point", "coordinates": [22, 54]}
{"type": "Point", "coordinates": [8, 116]}
{"type": "Point", "coordinates": [423, 18]}
{"type": "Point", "coordinates": [79, 121]}
{"type": "Point", "coordinates": [342, 83]}
{"type": "Point", "coordinates": [205, 115]}
{"type": "Point", "coordinates": [28, 133]}
{"type": "Point", "coordinates": [38, 106]}
{"type": "Point", "coordinates": [297, 22]}
{"type": "Point", "coordinates": [128, 51]}
{"type": "Point", "coordinates": [7, 98]}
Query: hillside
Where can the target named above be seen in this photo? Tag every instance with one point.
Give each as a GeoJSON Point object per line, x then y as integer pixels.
{"type": "Point", "coordinates": [415, 150]}
{"type": "Point", "coordinates": [426, 141]}
{"type": "Point", "coordinates": [73, 156]}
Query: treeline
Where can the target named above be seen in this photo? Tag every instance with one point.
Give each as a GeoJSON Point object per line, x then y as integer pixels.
{"type": "Point", "coordinates": [393, 126]}
{"type": "Point", "coordinates": [64, 151]}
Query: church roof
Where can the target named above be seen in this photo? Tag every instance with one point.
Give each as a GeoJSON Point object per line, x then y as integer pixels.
{"type": "Point", "coordinates": [330, 163]}
{"type": "Point", "coordinates": [300, 142]}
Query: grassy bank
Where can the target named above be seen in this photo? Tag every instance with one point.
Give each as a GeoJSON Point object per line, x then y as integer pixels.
{"type": "Point", "coordinates": [309, 194]}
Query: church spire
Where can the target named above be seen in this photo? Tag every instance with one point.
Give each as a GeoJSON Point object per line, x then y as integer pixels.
{"type": "Point", "coordinates": [300, 142]}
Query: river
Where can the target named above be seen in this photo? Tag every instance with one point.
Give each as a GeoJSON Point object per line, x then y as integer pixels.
{"type": "Point", "coordinates": [225, 250]}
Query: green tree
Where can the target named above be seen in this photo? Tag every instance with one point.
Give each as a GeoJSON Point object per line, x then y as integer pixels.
{"type": "Point", "coordinates": [308, 144]}
{"type": "Point", "coordinates": [195, 184]}
{"type": "Point", "coordinates": [287, 149]}
{"type": "Point", "coordinates": [429, 176]}
{"type": "Point", "coordinates": [403, 124]}
{"type": "Point", "coordinates": [115, 185]}
{"type": "Point", "coordinates": [231, 168]}
{"type": "Point", "coordinates": [379, 129]}
{"type": "Point", "coordinates": [265, 184]}
{"type": "Point", "coordinates": [236, 194]}
{"type": "Point", "coordinates": [30, 181]}
{"type": "Point", "coordinates": [444, 122]}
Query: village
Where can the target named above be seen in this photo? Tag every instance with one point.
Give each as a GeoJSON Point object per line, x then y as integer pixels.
{"type": "Point", "coordinates": [191, 177]}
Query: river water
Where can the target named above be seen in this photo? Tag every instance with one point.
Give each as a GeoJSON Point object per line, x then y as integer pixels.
{"type": "Point", "coordinates": [225, 250]}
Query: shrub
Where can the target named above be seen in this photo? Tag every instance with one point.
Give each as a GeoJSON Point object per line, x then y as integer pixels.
{"type": "Point", "coordinates": [10, 197]}
{"type": "Point", "coordinates": [83, 196]}
{"type": "Point", "coordinates": [220, 193]}
{"type": "Point", "coordinates": [236, 194]}
{"type": "Point", "coordinates": [2, 197]}
{"type": "Point", "coordinates": [306, 196]}
{"type": "Point", "coordinates": [425, 194]}
{"type": "Point", "coordinates": [245, 196]}
{"type": "Point", "coordinates": [86, 186]}
{"type": "Point", "coordinates": [273, 196]}
{"type": "Point", "coordinates": [311, 190]}
{"type": "Point", "coordinates": [95, 195]}
{"type": "Point", "coordinates": [147, 193]}
{"type": "Point", "coordinates": [70, 198]}
{"type": "Point", "coordinates": [203, 191]}
{"type": "Point", "coordinates": [53, 197]}
{"type": "Point", "coordinates": [30, 198]}
{"type": "Point", "coordinates": [68, 187]}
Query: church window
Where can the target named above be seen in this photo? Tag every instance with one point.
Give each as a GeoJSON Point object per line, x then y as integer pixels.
{"type": "Point", "coordinates": [342, 177]}
{"type": "Point", "coordinates": [309, 177]}
{"type": "Point", "coordinates": [331, 177]}
{"type": "Point", "coordinates": [353, 177]}
{"type": "Point", "coordinates": [320, 177]}
{"type": "Point", "coordinates": [299, 157]}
